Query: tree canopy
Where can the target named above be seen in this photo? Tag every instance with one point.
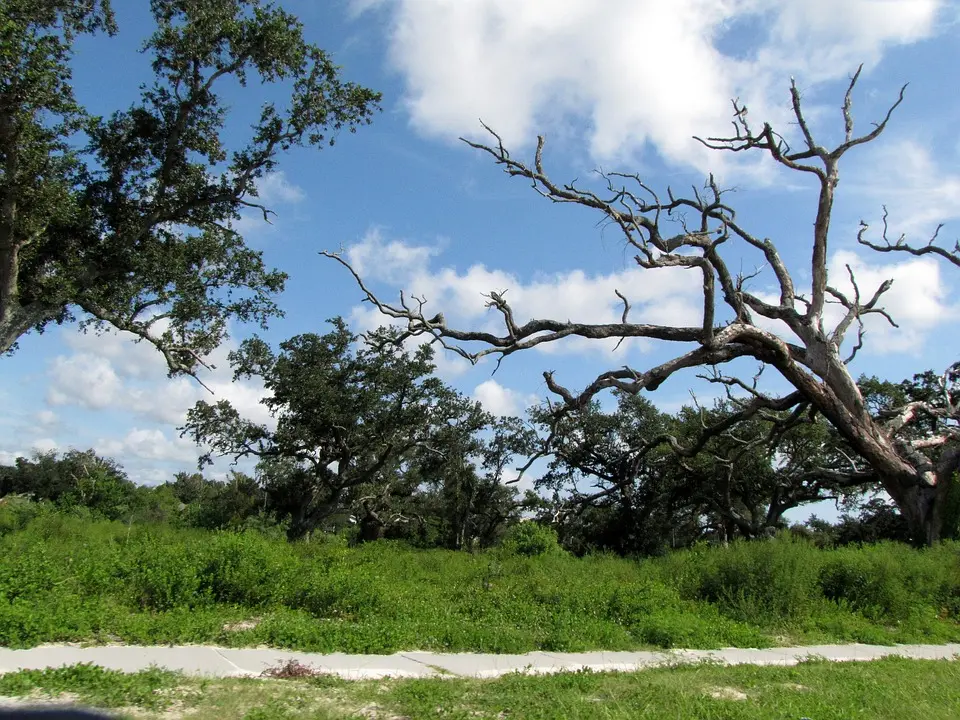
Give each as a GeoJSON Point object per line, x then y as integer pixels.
{"type": "Point", "coordinates": [128, 221]}
{"type": "Point", "coordinates": [352, 419]}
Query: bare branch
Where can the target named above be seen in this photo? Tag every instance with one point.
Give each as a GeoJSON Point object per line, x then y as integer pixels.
{"type": "Point", "coordinates": [900, 244]}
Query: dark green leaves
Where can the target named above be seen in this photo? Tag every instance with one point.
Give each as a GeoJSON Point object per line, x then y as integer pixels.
{"type": "Point", "coordinates": [137, 228]}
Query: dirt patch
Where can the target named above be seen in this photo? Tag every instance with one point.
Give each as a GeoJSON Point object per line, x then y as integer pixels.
{"type": "Point", "coordinates": [375, 712]}
{"type": "Point", "coordinates": [242, 625]}
{"type": "Point", "coordinates": [726, 693]}
{"type": "Point", "coordinates": [39, 699]}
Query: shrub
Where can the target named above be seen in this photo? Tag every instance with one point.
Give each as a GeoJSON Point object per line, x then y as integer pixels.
{"type": "Point", "coordinates": [634, 602]}
{"type": "Point", "coordinates": [244, 569]}
{"type": "Point", "coordinates": [17, 511]}
{"type": "Point", "coordinates": [766, 581]}
{"type": "Point", "coordinates": [531, 539]}
{"type": "Point", "coordinates": [338, 592]}
{"type": "Point", "coordinates": [164, 574]}
{"type": "Point", "coordinates": [891, 581]}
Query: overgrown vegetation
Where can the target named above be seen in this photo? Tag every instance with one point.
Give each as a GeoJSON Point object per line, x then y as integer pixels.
{"type": "Point", "coordinates": [359, 450]}
{"type": "Point", "coordinates": [64, 578]}
{"type": "Point", "coordinates": [892, 688]}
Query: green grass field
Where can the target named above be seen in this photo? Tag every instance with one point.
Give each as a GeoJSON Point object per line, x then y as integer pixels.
{"type": "Point", "coordinates": [891, 688]}
{"type": "Point", "coordinates": [64, 579]}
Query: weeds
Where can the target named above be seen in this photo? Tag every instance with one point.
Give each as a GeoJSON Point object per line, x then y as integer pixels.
{"type": "Point", "coordinates": [68, 579]}
{"type": "Point", "coordinates": [291, 669]}
{"type": "Point", "coordinates": [891, 688]}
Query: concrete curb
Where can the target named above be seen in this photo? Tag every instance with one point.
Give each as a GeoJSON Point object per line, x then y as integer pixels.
{"type": "Point", "coordinates": [251, 662]}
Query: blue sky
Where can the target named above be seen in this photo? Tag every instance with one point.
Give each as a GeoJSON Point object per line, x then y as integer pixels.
{"type": "Point", "coordinates": [617, 84]}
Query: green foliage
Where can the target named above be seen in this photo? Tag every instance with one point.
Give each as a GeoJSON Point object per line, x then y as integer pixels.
{"type": "Point", "coordinates": [139, 224]}
{"type": "Point", "coordinates": [357, 426]}
{"type": "Point", "coordinates": [16, 512]}
{"type": "Point", "coordinates": [531, 540]}
{"type": "Point", "coordinates": [98, 686]}
{"type": "Point", "coordinates": [889, 688]}
{"type": "Point", "coordinates": [768, 580]}
{"type": "Point", "coordinates": [649, 497]}
{"type": "Point", "coordinates": [893, 583]}
{"type": "Point", "coordinates": [162, 575]}
{"type": "Point", "coordinates": [73, 480]}
{"type": "Point", "coordinates": [63, 578]}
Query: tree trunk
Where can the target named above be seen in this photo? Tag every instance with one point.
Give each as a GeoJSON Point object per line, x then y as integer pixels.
{"type": "Point", "coordinates": [920, 508]}
{"type": "Point", "coordinates": [918, 487]}
{"type": "Point", "coordinates": [371, 529]}
{"type": "Point", "coordinates": [931, 510]}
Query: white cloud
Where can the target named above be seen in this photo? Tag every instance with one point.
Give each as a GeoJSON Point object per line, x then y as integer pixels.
{"type": "Point", "coordinates": [378, 259]}
{"type": "Point", "coordinates": [636, 71]}
{"type": "Point", "coordinates": [274, 188]}
{"type": "Point", "coordinates": [919, 192]}
{"type": "Point", "coordinates": [111, 371]}
{"type": "Point", "coordinates": [834, 36]}
{"type": "Point", "coordinates": [917, 301]}
{"type": "Point", "coordinates": [83, 379]}
{"type": "Point", "coordinates": [44, 445]}
{"type": "Point", "coordinates": [127, 358]}
{"type": "Point", "coordinates": [46, 417]}
{"type": "Point", "coordinates": [149, 444]}
{"type": "Point", "coordinates": [669, 296]}
{"type": "Point", "coordinates": [8, 458]}
{"type": "Point", "coordinates": [499, 400]}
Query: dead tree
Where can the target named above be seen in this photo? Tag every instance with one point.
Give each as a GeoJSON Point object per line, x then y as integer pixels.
{"type": "Point", "coordinates": [917, 472]}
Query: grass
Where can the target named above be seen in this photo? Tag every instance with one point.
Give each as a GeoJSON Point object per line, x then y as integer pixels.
{"type": "Point", "coordinates": [890, 688]}
{"type": "Point", "coordinates": [65, 579]}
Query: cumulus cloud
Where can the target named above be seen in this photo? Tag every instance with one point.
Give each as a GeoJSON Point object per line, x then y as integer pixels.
{"type": "Point", "coordinates": [917, 301]}
{"type": "Point", "coordinates": [46, 417]}
{"type": "Point", "coordinates": [669, 296]}
{"type": "Point", "coordinates": [149, 444]}
{"type": "Point", "coordinates": [919, 191]}
{"type": "Point", "coordinates": [377, 258]}
{"type": "Point", "coordinates": [111, 371]}
{"type": "Point", "coordinates": [8, 458]}
{"type": "Point", "coordinates": [275, 189]}
{"type": "Point", "coordinates": [45, 445]}
{"type": "Point", "coordinates": [633, 72]}
{"type": "Point", "coordinates": [83, 379]}
{"type": "Point", "coordinates": [499, 400]}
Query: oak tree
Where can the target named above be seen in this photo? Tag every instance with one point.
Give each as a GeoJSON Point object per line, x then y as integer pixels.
{"type": "Point", "coordinates": [350, 418]}
{"type": "Point", "coordinates": [128, 221]}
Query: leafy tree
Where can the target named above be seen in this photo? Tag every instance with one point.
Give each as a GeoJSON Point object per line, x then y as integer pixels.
{"type": "Point", "coordinates": [218, 505]}
{"type": "Point", "coordinates": [609, 469]}
{"type": "Point", "coordinates": [698, 232]}
{"type": "Point", "coordinates": [129, 220]}
{"type": "Point", "coordinates": [230, 504]}
{"type": "Point", "coordinates": [74, 479]}
{"type": "Point", "coordinates": [876, 520]}
{"type": "Point", "coordinates": [645, 474]}
{"type": "Point", "coordinates": [350, 418]}
{"type": "Point", "coordinates": [189, 488]}
{"type": "Point", "coordinates": [462, 489]}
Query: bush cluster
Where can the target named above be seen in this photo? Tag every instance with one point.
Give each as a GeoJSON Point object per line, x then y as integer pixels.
{"type": "Point", "coordinates": [64, 578]}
